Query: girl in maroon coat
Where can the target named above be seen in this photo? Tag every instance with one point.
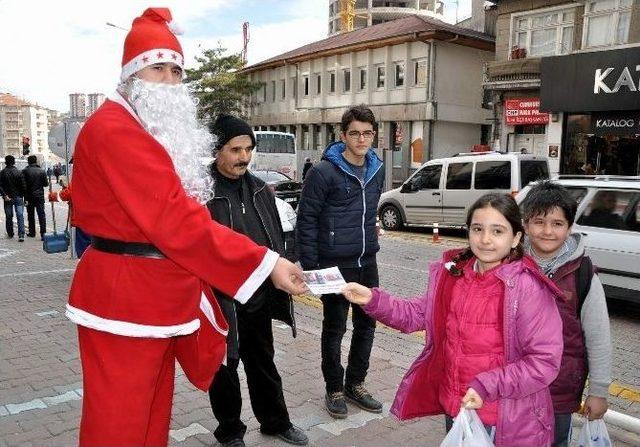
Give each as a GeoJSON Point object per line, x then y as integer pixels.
{"type": "Point", "coordinates": [493, 333]}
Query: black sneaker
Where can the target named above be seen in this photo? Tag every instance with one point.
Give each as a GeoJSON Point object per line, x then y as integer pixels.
{"type": "Point", "coordinates": [236, 442]}
{"type": "Point", "coordinates": [359, 395]}
{"type": "Point", "coordinates": [20, 238]}
{"type": "Point", "coordinates": [293, 436]}
{"type": "Point", "coordinates": [335, 404]}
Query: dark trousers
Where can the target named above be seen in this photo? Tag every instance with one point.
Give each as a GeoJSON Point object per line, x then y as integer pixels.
{"type": "Point", "coordinates": [36, 205]}
{"type": "Point", "coordinates": [265, 385]}
{"type": "Point", "coordinates": [562, 434]}
{"type": "Point", "coordinates": [334, 325]}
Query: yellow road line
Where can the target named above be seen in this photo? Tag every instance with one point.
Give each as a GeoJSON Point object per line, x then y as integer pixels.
{"type": "Point", "coordinates": [623, 391]}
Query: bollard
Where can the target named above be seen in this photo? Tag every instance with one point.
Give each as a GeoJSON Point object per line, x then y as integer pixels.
{"type": "Point", "coordinates": [436, 233]}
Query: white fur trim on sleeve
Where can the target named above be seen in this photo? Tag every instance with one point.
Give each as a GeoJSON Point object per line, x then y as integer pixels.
{"type": "Point", "coordinates": [258, 276]}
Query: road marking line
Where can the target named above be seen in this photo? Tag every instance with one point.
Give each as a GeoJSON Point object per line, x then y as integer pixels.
{"type": "Point", "coordinates": [357, 420]}
{"type": "Point", "coordinates": [186, 432]}
{"type": "Point", "coordinates": [47, 313]}
{"type": "Point", "coordinates": [41, 272]}
{"type": "Point", "coordinates": [38, 404]}
{"type": "Point", "coordinates": [625, 392]}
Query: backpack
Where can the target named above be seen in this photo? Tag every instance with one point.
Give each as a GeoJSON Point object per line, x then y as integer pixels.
{"type": "Point", "coordinates": [583, 276]}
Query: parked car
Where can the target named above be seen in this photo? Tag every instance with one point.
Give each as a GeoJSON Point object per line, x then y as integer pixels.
{"type": "Point", "coordinates": [282, 185]}
{"type": "Point", "coordinates": [288, 219]}
{"type": "Point", "coordinates": [442, 190]}
{"type": "Point", "coordinates": [608, 218]}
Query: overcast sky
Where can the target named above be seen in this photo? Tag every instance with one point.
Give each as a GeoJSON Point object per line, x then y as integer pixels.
{"type": "Point", "coordinates": [51, 48]}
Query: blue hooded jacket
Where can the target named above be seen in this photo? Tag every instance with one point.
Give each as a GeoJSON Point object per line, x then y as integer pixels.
{"type": "Point", "coordinates": [337, 212]}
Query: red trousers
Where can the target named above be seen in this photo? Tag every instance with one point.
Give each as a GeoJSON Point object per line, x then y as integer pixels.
{"type": "Point", "coordinates": [128, 389]}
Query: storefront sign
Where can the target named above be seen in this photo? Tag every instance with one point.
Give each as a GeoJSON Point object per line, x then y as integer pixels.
{"type": "Point", "coordinates": [615, 123]}
{"type": "Point", "coordinates": [524, 111]}
{"type": "Point", "coordinates": [589, 82]}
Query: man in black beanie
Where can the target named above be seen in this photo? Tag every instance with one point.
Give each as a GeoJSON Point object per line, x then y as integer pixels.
{"type": "Point", "coordinates": [243, 203]}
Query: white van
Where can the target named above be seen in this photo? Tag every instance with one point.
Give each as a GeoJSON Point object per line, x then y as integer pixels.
{"type": "Point", "coordinates": [275, 151]}
{"type": "Point", "coordinates": [442, 190]}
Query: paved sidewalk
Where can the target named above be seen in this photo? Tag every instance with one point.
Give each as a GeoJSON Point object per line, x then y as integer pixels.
{"type": "Point", "coordinates": [40, 377]}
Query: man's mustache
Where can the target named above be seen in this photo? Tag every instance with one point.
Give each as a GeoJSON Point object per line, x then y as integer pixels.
{"type": "Point", "coordinates": [241, 165]}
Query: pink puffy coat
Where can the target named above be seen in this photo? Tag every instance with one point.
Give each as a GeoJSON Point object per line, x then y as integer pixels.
{"type": "Point", "coordinates": [532, 347]}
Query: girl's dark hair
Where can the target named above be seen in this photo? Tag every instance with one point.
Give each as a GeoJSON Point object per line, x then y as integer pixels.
{"type": "Point", "coordinates": [545, 196]}
{"type": "Point", "coordinates": [357, 113]}
{"type": "Point", "coordinates": [505, 205]}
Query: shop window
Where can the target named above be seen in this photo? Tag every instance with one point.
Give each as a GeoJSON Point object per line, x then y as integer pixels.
{"type": "Point", "coordinates": [533, 129]}
{"type": "Point", "coordinates": [363, 78]}
{"type": "Point", "coordinates": [493, 175]}
{"type": "Point", "coordinates": [606, 22]}
{"type": "Point", "coordinates": [380, 76]}
{"type": "Point", "coordinates": [346, 79]}
{"type": "Point", "coordinates": [546, 34]}
{"type": "Point", "coordinates": [459, 175]}
{"type": "Point", "coordinates": [617, 210]}
{"type": "Point", "coordinates": [399, 74]}
{"type": "Point", "coordinates": [420, 72]}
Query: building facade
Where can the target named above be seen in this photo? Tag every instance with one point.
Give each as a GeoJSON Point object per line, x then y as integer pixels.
{"type": "Point", "coordinates": [77, 105]}
{"type": "Point", "coordinates": [421, 77]}
{"type": "Point", "coordinates": [19, 119]}
{"type": "Point", "coordinates": [373, 12]}
{"type": "Point", "coordinates": [564, 78]}
{"type": "Point", "coordinates": [95, 100]}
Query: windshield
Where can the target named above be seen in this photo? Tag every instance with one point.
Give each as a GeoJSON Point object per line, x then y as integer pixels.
{"type": "Point", "coordinates": [271, 176]}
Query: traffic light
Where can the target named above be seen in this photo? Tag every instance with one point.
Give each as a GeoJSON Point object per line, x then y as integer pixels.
{"type": "Point", "coordinates": [26, 142]}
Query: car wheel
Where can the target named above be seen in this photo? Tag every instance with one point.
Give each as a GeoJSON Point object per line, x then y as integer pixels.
{"type": "Point", "coordinates": [390, 218]}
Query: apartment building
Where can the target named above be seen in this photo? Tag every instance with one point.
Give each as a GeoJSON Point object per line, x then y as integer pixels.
{"type": "Point", "coordinates": [565, 83]}
{"type": "Point", "coordinates": [77, 105]}
{"type": "Point", "coordinates": [373, 12]}
{"type": "Point", "coordinates": [421, 77]}
{"type": "Point", "coordinates": [18, 119]}
{"type": "Point", "coordinates": [95, 100]}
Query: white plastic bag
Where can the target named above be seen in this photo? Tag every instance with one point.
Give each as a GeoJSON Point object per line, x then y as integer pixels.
{"type": "Point", "coordinates": [594, 434]}
{"type": "Point", "coordinates": [467, 431]}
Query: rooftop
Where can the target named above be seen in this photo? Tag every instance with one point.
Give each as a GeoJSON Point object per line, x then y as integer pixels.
{"type": "Point", "coordinates": [411, 28]}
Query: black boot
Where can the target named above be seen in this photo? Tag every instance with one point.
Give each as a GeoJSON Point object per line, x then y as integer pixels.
{"type": "Point", "coordinates": [359, 395]}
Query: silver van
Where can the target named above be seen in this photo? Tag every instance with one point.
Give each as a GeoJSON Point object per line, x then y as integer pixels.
{"type": "Point", "coordinates": [442, 190]}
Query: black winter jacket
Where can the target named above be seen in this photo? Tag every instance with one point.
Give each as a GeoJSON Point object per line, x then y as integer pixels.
{"type": "Point", "coordinates": [280, 302]}
{"type": "Point", "coordinates": [36, 180]}
{"type": "Point", "coordinates": [12, 182]}
{"type": "Point", "coordinates": [337, 212]}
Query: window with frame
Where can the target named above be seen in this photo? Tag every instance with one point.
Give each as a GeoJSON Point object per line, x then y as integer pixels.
{"type": "Point", "coordinates": [399, 74]}
{"type": "Point", "coordinates": [332, 82]}
{"type": "Point", "coordinates": [318, 84]}
{"type": "Point", "coordinates": [380, 75]}
{"type": "Point", "coordinates": [420, 72]}
{"type": "Point", "coordinates": [264, 92]}
{"type": "Point", "coordinates": [283, 84]}
{"type": "Point", "coordinates": [294, 87]}
{"type": "Point", "coordinates": [546, 34]}
{"type": "Point", "coordinates": [459, 175]}
{"type": "Point", "coordinates": [606, 22]}
{"type": "Point", "coordinates": [363, 78]}
{"type": "Point", "coordinates": [273, 91]}
{"type": "Point", "coordinates": [427, 178]}
{"type": "Point", "coordinates": [305, 82]}
{"type": "Point", "coordinates": [346, 78]}
{"type": "Point", "coordinates": [614, 209]}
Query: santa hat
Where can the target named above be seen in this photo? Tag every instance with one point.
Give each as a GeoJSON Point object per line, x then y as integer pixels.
{"type": "Point", "coordinates": [151, 40]}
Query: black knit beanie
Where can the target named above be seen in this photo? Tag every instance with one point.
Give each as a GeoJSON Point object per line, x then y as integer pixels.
{"type": "Point", "coordinates": [227, 127]}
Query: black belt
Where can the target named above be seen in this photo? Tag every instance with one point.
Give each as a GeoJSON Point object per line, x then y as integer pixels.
{"type": "Point", "coordinates": [141, 249]}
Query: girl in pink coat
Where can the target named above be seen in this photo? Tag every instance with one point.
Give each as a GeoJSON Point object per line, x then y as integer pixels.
{"type": "Point", "coordinates": [493, 332]}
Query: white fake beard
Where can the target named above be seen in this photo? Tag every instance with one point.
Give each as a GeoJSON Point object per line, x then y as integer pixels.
{"type": "Point", "coordinates": [168, 113]}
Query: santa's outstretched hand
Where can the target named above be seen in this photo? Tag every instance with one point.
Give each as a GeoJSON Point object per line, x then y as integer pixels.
{"type": "Point", "coordinates": [288, 277]}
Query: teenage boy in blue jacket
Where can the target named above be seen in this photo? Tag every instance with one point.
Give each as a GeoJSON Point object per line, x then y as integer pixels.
{"type": "Point", "coordinates": [337, 227]}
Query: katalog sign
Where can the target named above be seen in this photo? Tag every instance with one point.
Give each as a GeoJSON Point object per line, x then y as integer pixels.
{"type": "Point", "coordinates": [524, 111]}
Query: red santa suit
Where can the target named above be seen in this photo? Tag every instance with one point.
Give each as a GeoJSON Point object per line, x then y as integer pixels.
{"type": "Point", "coordinates": [137, 314]}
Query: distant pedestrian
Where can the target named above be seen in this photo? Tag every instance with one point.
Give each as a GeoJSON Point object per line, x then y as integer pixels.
{"type": "Point", "coordinates": [337, 227]}
{"type": "Point", "coordinates": [57, 171]}
{"type": "Point", "coordinates": [13, 188]}
{"type": "Point", "coordinates": [36, 180]}
{"type": "Point", "coordinates": [49, 171]}
{"type": "Point", "coordinates": [306, 167]}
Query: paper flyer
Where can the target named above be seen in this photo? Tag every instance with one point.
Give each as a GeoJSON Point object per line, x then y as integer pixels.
{"type": "Point", "coordinates": [324, 281]}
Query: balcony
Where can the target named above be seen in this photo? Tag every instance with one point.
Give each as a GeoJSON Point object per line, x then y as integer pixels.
{"type": "Point", "coordinates": [513, 74]}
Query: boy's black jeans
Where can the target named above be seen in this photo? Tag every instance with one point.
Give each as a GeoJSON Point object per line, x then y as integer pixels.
{"type": "Point", "coordinates": [334, 326]}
